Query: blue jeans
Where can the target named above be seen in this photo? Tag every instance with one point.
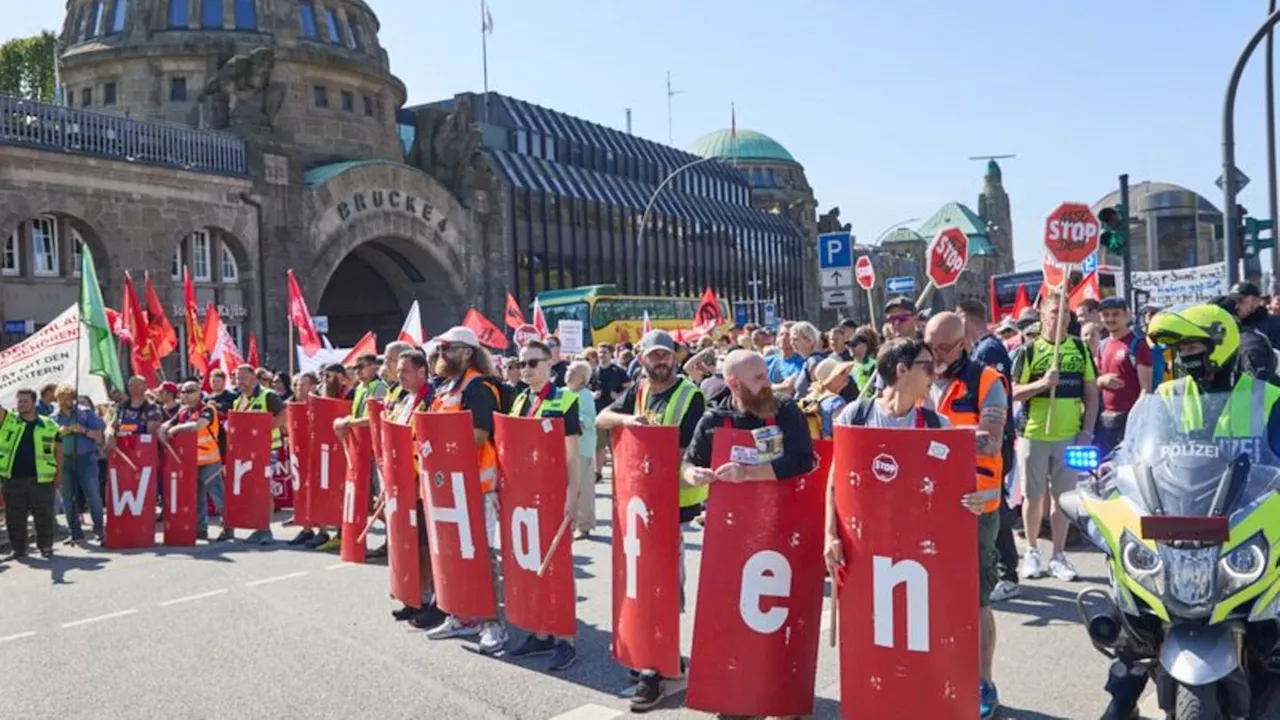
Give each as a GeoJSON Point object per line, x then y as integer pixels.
{"type": "Point", "coordinates": [208, 486]}
{"type": "Point", "coordinates": [80, 472]}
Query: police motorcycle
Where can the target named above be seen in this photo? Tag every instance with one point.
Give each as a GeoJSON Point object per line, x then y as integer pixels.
{"type": "Point", "coordinates": [1187, 511]}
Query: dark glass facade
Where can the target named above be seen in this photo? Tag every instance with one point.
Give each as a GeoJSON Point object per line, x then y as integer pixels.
{"type": "Point", "coordinates": [578, 192]}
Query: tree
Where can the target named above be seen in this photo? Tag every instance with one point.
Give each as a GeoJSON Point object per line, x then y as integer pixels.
{"type": "Point", "coordinates": [26, 66]}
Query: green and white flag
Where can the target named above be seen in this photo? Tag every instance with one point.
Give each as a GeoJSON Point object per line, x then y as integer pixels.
{"type": "Point", "coordinates": [103, 360]}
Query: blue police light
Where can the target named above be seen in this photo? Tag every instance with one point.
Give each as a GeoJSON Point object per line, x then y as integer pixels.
{"type": "Point", "coordinates": [1082, 457]}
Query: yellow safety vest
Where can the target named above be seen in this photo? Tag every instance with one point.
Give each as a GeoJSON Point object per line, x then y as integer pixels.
{"type": "Point", "coordinates": [45, 437]}
{"type": "Point", "coordinates": [673, 415]}
{"type": "Point", "coordinates": [258, 403]}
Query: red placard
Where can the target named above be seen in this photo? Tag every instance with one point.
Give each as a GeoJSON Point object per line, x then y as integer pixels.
{"type": "Point", "coordinates": [246, 473]}
{"type": "Point", "coordinates": [455, 514]}
{"type": "Point", "coordinates": [355, 493]}
{"type": "Point", "coordinates": [1071, 233]}
{"type": "Point", "coordinates": [909, 624]}
{"type": "Point", "coordinates": [376, 408]}
{"type": "Point", "coordinates": [401, 485]}
{"type": "Point", "coordinates": [864, 272]}
{"type": "Point", "coordinates": [947, 256]}
{"type": "Point", "coordinates": [531, 489]}
{"type": "Point", "coordinates": [298, 427]}
{"type": "Point", "coordinates": [646, 549]}
{"type": "Point", "coordinates": [1054, 274]}
{"type": "Point", "coordinates": [328, 462]}
{"type": "Point", "coordinates": [755, 636]}
{"type": "Point", "coordinates": [180, 496]}
{"type": "Point", "coordinates": [524, 334]}
{"type": "Point", "coordinates": [131, 494]}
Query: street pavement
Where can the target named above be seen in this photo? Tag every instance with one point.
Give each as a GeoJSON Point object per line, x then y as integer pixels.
{"type": "Point", "coordinates": [232, 630]}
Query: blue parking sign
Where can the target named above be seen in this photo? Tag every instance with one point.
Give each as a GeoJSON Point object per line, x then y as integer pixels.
{"type": "Point", "coordinates": [741, 316]}
{"type": "Point", "coordinates": [835, 250]}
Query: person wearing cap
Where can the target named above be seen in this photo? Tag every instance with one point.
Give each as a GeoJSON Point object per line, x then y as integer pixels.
{"type": "Point", "coordinates": [901, 318]}
{"type": "Point", "coordinates": [1124, 372]}
{"type": "Point", "coordinates": [661, 397]}
{"type": "Point", "coordinates": [1252, 313]}
{"type": "Point", "coordinates": [255, 397]}
{"type": "Point", "coordinates": [167, 399]}
{"type": "Point", "coordinates": [469, 382]}
{"type": "Point", "coordinates": [826, 396]}
{"type": "Point", "coordinates": [199, 416]}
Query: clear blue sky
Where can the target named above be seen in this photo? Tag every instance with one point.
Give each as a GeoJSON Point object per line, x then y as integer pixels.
{"type": "Point", "coordinates": [881, 100]}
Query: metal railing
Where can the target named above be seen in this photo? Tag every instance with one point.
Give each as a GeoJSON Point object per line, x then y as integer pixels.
{"type": "Point", "coordinates": [53, 127]}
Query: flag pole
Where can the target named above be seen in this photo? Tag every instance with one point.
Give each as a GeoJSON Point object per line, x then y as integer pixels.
{"type": "Point", "coordinates": [485, 27]}
{"type": "Point", "coordinates": [293, 352]}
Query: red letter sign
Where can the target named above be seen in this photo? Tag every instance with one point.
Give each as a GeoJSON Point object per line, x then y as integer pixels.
{"type": "Point", "coordinates": [328, 463]}
{"type": "Point", "coordinates": [531, 487]}
{"type": "Point", "coordinates": [864, 272]}
{"type": "Point", "coordinates": [246, 473]}
{"type": "Point", "coordinates": [646, 549]}
{"type": "Point", "coordinates": [355, 493]}
{"type": "Point", "coordinates": [909, 620]}
{"type": "Point", "coordinates": [376, 408]}
{"type": "Point", "coordinates": [755, 637]}
{"type": "Point", "coordinates": [1071, 233]}
{"type": "Point", "coordinates": [298, 424]}
{"type": "Point", "coordinates": [455, 508]}
{"type": "Point", "coordinates": [180, 499]}
{"type": "Point", "coordinates": [401, 485]}
{"type": "Point", "coordinates": [947, 256]}
{"type": "Point", "coordinates": [131, 494]}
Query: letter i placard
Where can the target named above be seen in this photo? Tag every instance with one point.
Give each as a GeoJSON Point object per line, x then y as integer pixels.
{"type": "Point", "coordinates": [908, 624]}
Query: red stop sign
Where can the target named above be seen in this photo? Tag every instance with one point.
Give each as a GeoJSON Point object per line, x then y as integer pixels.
{"type": "Point", "coordinates": [1071, 233]}
{"type": "Point", "coordinates": [525, 333]}
{"type": "Point", "coordinates": [1053, 272]}
{"type": "Point", "coordinates": [947, 256]}
{"type": "Point", "coordinates": [864, 272]}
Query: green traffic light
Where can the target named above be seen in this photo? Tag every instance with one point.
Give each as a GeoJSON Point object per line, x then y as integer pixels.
{"type": "Point", "coordinates": [1115, 228]}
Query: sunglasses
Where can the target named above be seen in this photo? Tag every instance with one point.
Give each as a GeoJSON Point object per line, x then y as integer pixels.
{"type": "Point", "coordinates": [901, 318]}
{"type": "Point", "coordinates": [529, 364]}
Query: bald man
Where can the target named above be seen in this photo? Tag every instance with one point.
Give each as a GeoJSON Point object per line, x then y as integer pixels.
{"type": "Point", "coordinates": [972, 395]}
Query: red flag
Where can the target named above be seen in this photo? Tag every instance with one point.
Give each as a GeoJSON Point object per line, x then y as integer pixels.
{"type": "Point", "coordinates": [308, 338]}
{"type": "Point", "coordinates": [1021, 302]}
{"type": "Point", "coordinates": [222, 348]}
{"type": "Point", "coordinates": [143, 353]}
{"type": "Point", "coordinates": [514, 316]}
{"type": "Point", "coordinates": [164, 339]}
{"type": "Point", "coordinates": [489, 334]}
{"type": "Point", "coordinates": [368, 345]}
{"type": "Point", "coordinates": [708, 311]}
{"type": "Point", "coordinates": [253, 351]}
{"type": "Point", "coordinates": [411, 332]}
{"type": "Point", "coordinates": [197, 353]}
{"type": "Point", "coordinates": [540, 320]}
{"type": "Point", "coordinates": [1086, 290]}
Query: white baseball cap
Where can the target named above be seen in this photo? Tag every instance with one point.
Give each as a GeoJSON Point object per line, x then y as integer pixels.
{"type": "Point", "coordinates": [461, 336]}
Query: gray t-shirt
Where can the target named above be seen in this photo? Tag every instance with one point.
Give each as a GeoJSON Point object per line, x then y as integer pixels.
{"type": "Point", "coordinates": [878, 418]}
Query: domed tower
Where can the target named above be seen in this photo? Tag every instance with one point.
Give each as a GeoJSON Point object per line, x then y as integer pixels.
{"type": "Point", "coordinates": [308, 79]}
{"type": "Point", "coordinates": [777, 181]}
{"type": "Point", "coordinates": [993, 208]}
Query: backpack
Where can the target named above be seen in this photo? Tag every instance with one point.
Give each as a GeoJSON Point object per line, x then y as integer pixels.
{"type": "Point", "coordinates": [862, 411]}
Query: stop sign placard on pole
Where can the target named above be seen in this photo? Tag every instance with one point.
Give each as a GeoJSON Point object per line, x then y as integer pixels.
{"type": "Point", "coordinates": [864, 272]}
{"type": "Point", "coordinates": [947, 256]}
{"type": "Point", "coordinates": [1071, 233]}
{"type": "Point", "coordinates": [525, 333]}
{"type": "Point", "coordinates": [1054, 274]}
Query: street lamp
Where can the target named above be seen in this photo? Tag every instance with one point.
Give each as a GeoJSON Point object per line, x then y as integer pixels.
{"type": "Point", "coordinates": [893, 227]}
{"type": "Point", "coordinates": [644, 217]}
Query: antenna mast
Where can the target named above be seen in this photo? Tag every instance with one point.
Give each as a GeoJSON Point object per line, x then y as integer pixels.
{"type": "Point", "coordinates": [670, 125]}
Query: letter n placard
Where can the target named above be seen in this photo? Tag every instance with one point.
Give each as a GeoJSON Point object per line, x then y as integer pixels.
{"type": "Point", "coordinates": [909, 621]}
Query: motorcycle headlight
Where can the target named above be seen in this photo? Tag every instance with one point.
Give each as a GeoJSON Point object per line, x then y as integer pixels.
{"type": "Point", "coordinates": [1191, 575]}
{"type": "Point", "coordinates": [1142, 564]}
{"type": "Point", "coordinates": [1243, 565]}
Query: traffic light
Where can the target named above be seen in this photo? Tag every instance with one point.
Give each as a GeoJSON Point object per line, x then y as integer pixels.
{"type": "Point", "coordinates": [1115, 228]}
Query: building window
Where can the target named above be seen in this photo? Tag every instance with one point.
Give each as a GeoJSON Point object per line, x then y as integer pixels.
{"type": "Point", "coordinates": [246, 15]}
{"type": "Point", "coordinates": [109, 93]}
{"type": "Point", "coordinates": [176, 273]}
{"type": "Point", "coordinates": [179, 14]}
{"type": "Point", "coordinates": [86, 97]}
{"type": "Point", "coordinates": [200, 266]}
{"type": "Point", "coordinates": [117, 16]}
{"type": "Point", "coordinates": [321, 96]}
{"type": "Point", "coordinates": [76, 247]}
{"type": "Point", "coordinates": [230, 270]}
{"type": "Point", "coordinates": [536, 149]}
{"type": "Point", "coordinates": [44, 247]}
{"type": "Point", "coordinates": [178, 89]}
{"type": "Point", "coordinates": [768, 178]}
{"type": "Point", "coordinates": [9, 259]}
{"type": "Point", "coordinates": [354, 35]}
{"type": "Point", "coordinates": [95, 19]}
{"type": "Point", "coordinates": [335, 31]}
{"type": "Point", "coordinates": [348, 102]}
{"type": "Point", "coordinates": [522, 142]}
{"type": "Point", "coordinates": [756, 178]}
{"type": "Point", "coordinates": [368, 106]}
{"type": "Point", "coordinates": [211, 14]}
{"type": "Point", "coordinates": [77, 27]}
{"type": "Point", "coordinates": [237, 334]}
{"type": "Point", "coordinates": [307, 19]}
{"type": "Point", "coordinates": [551, 149]}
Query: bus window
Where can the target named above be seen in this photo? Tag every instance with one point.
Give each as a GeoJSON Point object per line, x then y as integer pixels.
{"type": "Point", "coordinates": [606, 311]}
{"type": "Point", "coordinates": [570, 311]}
{"type": "Point", "coordinates": [684, 309]}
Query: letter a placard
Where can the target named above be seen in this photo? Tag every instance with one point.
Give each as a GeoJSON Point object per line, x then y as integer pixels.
{"type": "Point", "coordinates": [646, 548]}
{"type": "Point", "coordinates": [755, 637]}
{"type": "Point", "coordinates": [297, 421]}
{"type": "Point", "coordinates": [401, 485]}
{"type": "Point", "coordinates": [456, 529]}
{"type": "Point", "coordinates": [246, 474]}
{"type": "Point", "coordinates": [327, 466]}
{"type": "Point", "coordinates": [355, 493]}
{"type": "Point", "coordinates": [909, 622]}
{"type": "Point", "coordinates": [131, 494]}
{"type": "Point", "coordinates": [531, 490]}
{"type": "Point", "coordinates": [180, 497]}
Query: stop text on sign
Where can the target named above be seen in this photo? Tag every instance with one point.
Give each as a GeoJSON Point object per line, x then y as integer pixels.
{"type": "Point", "coordinates": [1071, 233]}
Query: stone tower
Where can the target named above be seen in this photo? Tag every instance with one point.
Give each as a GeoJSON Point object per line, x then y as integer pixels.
{"type": "Point", "coordinates": [993, 208]}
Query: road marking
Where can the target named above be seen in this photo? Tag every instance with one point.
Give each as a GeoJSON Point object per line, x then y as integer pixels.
{"type": "Point", "coordinates": [826, 617]}
{"type": "Point", "coordinates": [589, 712]}
{"type": "Point", "coordinates": [189, 598]}
{"type": "Point", "coordinates": [277, 578]}
{"type": "Point", "coordinates": [339, 566]}
{"type": "Point", "coordinates": [19, 636]}
{"type": "Point", "coordinates": [108, 616]}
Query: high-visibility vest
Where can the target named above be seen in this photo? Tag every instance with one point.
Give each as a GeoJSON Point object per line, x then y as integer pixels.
{"type": "Point", "coordinates": [394, 391]}
{"type": "Point", "coordinates": [364, 391]}
{"type": "Point", "coordinates": [207, 452]}
{"type": "Point", "coordinates": [258, 403]}
{"type": "Point", "coordinates": [451, 401]}
{"type": "Point", "coordinates": [963, 407]}
{"type": "Point", "coordinates": [1246, 416]}
{"type": "Point", "coordinates": [45, 436]}
{"type": "Point", "coordinates": [558, 404]}
{"type": "Point", "coordinates": [679, 404]}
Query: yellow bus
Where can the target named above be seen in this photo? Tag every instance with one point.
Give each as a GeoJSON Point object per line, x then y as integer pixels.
{"type": "Point", "coordinates": [608, 316]}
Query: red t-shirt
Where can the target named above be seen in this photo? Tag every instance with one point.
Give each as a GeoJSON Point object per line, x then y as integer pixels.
{"type": "Point", "coordinates": [1117, 360]}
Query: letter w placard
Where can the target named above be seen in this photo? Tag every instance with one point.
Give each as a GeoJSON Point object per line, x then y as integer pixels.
{"type": "Point", "coordinates": [131, 494]}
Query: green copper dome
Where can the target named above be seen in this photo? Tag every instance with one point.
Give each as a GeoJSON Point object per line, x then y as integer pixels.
{"type": "Point", "coordinates": [742, 145]}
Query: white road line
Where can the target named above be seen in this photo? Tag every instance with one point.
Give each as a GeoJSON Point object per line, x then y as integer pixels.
{"type": "Point", "coordinates": [339, 566]}
{"type": "Point", "coordinates": [19, 636]}
{"type": "Point", "coordinates": [189, 598]}
{"type": "Point", "coordinates": [108, 616]}
{"type": "Point", "coordinates": [589, 712]}
{"type": "Point", "coordinates": [277, 578]}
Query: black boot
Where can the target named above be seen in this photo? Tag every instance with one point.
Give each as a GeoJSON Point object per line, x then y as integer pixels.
{"type": "Point", "coordinates": [1125, 683]}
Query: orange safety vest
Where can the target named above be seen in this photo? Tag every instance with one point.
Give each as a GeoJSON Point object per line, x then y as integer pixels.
{"type": "Point", "coordinates": [207, 452]}
{"type": "Point", "coordinates": [962, 407]}
{"type": "Point", "coordinates": [451, 401]}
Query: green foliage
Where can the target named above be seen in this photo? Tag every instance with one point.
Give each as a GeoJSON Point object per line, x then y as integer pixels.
{"type": "Point", "coordinates": [26, 66]}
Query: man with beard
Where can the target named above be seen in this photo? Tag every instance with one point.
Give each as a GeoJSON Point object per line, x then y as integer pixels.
{"type": "Point", "coordinates": [660, 398]}
{"type": "Point", "coordinates": [256, 398]}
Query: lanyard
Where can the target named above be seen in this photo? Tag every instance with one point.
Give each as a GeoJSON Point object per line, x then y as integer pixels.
{"type": "Point", "coordinates": [537, 401]}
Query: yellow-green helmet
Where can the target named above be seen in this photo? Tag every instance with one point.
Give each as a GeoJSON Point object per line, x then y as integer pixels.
{"type": "Point", "coordinates": [1206, 323]}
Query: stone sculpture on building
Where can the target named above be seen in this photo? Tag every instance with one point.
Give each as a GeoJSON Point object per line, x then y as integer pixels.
{"type": "Point", "coordinates": [447, 146]}
{"type": "Point", "coordinates": [830, 222]}
{"type": "Point", "coordinates": [241, 93]}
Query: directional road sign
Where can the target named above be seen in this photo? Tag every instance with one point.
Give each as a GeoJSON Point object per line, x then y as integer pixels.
{"type": "Point", "coordinates": [835, 250]}
{"type": "Point", "coordinates": [840, 298]}
{"type": "Point", "coordinates": [1090, 264]}
{"type": "Point", "coordinates": [902, 285]}
{"type": "Point", "coordinates": [836, 277]}
{"type": "Point", "coordinates": [1241, 180]}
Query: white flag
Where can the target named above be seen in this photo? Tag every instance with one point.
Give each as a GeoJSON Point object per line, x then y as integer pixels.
{"type": "Point", "coordinates": [412, 330]}
{"type": "Point", "coordinates": [486, 19]}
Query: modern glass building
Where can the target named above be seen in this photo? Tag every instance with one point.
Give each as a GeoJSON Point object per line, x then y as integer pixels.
{"type": "Point", "coordinates": [578, 193]}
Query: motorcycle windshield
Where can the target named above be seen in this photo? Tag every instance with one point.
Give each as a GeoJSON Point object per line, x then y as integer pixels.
{"type": "Point", "coordinates": [1190, 452]}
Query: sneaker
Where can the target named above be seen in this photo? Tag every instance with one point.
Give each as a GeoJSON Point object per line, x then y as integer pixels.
{"type": "Point", "coordinates": [333, 543]}
{"type": "Point", "coordinates": [303, 537]}
{"type": "Point", "coordinates": [988, 700]}
{"type": "Point", "coordinates": [227, 535]}
{"type": "Point", "coordinates": [453, 628]}
{"type": "Point", "coordinates": [493, 638]}
{"type": "Point", "coordinates": [649, 692]}
{"type": "Point", "coordinates": [564, 657]}
{"type": "Point", "coordinates": [534, 646]}
{"type": "Point", "coordinates": [46, 553]}
{"type": "Point", "coordinates": [1004, 590]}
{"type": "Point", "coordinates": [260, 537]}
{"type": "Point", "coordinates": [404, 613]}
{"type": "Point", "coordinates": [427, 617]}
{"type": "Point", "coordinates": [581, 534]}
{"type": "Point", "coordinates": [1061, 568]}
{"type": "Point", "coordinates": [1032, 567]}
{"type": "Point", "coordinates": [317, 539]}
{"type": "Point", "coordinates": [202, 534]}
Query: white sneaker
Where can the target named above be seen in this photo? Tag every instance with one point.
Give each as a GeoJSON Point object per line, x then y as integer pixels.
{"type": "Point", "coordinates": [1004, 590]}
{"type": "Point", "coordinates": [453, 628]}
{"type": "Point", "coordinates": [1061, 568]}
{"type": "Point", "coordinates": [1032, 566]}
{"type": "Point", "coordinates": [493, 638]}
